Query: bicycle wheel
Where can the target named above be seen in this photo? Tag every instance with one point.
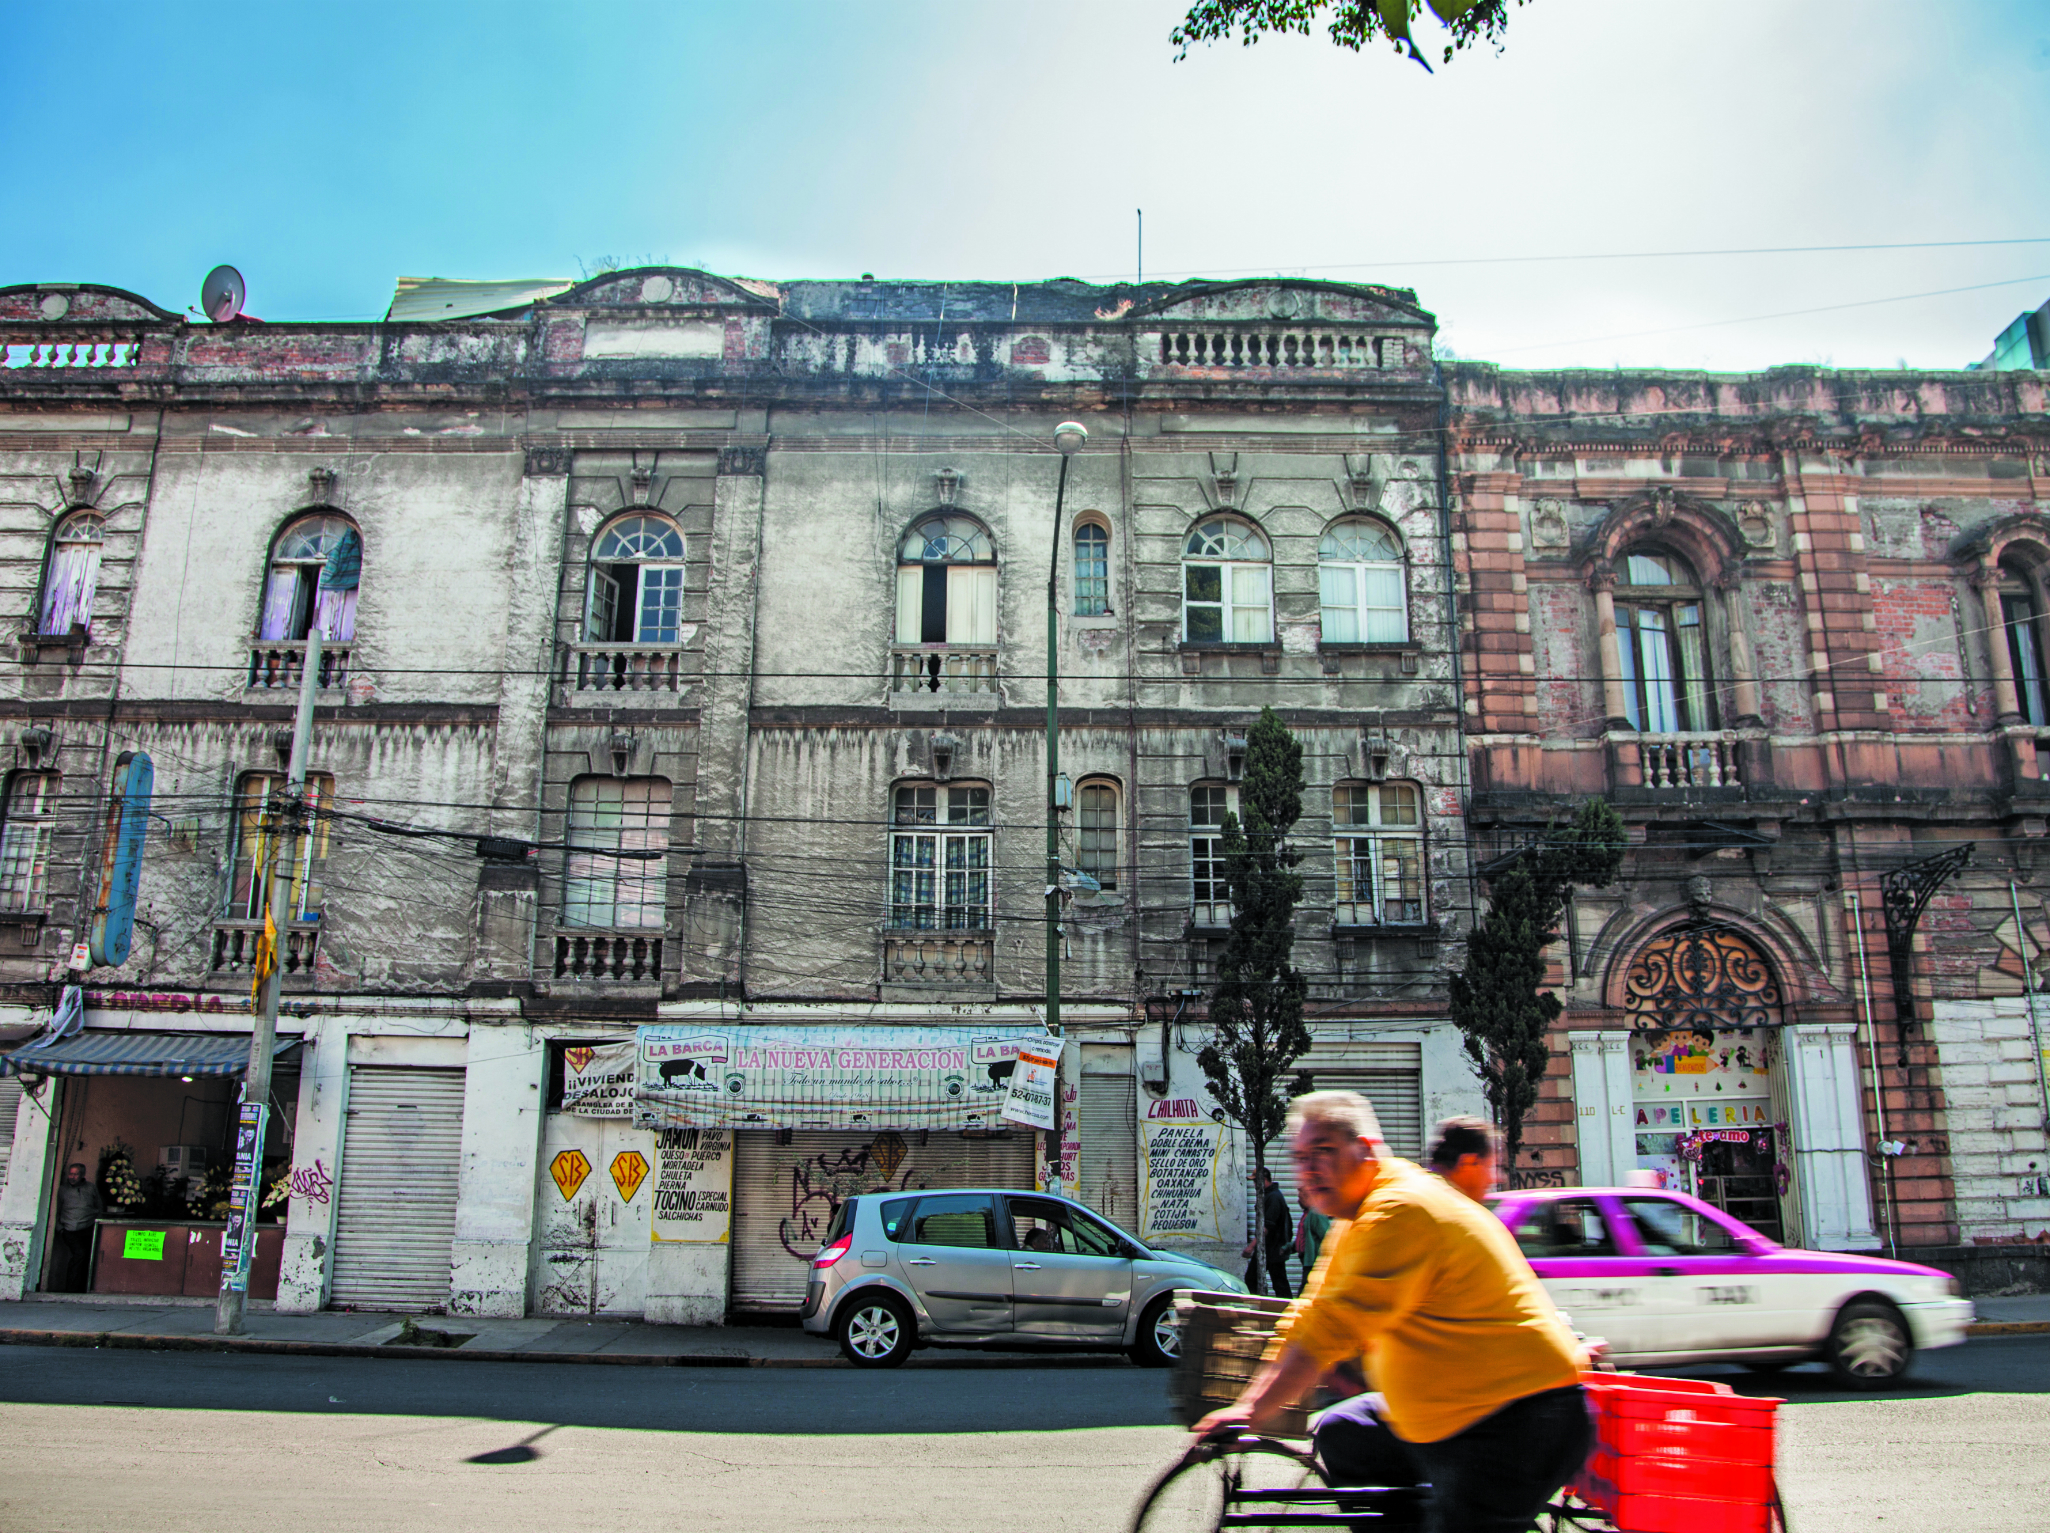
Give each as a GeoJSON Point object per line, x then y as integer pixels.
{"type": "Point", "coordinates": [1209, 1480]}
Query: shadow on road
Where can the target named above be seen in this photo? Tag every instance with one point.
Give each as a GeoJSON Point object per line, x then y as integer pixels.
{"type": "Point", "coordinates": [2012, 1365]}
{"type": "Point", "coordinates": [740, 1400]}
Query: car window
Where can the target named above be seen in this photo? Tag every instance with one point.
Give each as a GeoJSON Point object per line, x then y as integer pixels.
{"type": "Point", "coordinates": [896, 1215]}
{"type": "Point", "coordinates": [843, 1220]}
{"type": "Point", "coordinates": [1041, 1225]}
{"type": "Point", "coordinates": [1569, 1227]}
{"type": "Point", "coordinates": [959, 1220]}
{"type": "Point", "coordinates": [1667, 1228]}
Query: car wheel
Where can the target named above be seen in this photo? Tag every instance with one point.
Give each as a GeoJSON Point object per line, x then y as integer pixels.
{"type": "Point", "coordinates": [876, 1330]}
{"type": "Point", "coordinates": [1159, 1344]}
{"type": "Point", "coordinates": [1869, 1346]}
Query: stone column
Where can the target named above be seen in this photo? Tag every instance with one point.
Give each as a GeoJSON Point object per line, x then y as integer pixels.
{"type": "Point", "coordinates": [308, 1255]}
{"type": "Point", "coordinates": [22, 1198]}
{"type": "Point", "coordinates": [2007, 706]}
{"type": "Point", "coordinates": [1602, 1109]}
{"type": "Point", "coordinates": [1602, 581]}
{"type": "Point", "coordinates": [1743, 670]}
{"type": "Point", "coordinates": [504, 1081]}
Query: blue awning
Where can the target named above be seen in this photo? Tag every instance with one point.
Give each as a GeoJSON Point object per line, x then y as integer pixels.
{"type": "Point", "coordinates": [132, 1053]}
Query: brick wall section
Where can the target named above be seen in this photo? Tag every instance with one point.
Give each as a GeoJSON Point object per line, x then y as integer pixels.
{"type": "Point", "coordinates": [1835, 580]}
{"type": "Point", "coordinates": [1916, 625]}
{"type": "Point", "coordinates": [1502, 665]}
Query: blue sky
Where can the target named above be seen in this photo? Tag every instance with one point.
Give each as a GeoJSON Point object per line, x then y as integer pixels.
{"type": "Point", "coordinates": [326, 149]}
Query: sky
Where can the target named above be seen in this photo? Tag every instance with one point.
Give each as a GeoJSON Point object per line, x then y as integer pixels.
{"type": "Point", "coordinates": [327, 149]}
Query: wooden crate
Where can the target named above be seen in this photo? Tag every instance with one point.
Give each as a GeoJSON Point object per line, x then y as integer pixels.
{"type": "Point", "coordinates": [1224, 1338]}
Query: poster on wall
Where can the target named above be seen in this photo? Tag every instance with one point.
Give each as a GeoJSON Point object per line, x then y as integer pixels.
{"type": "Point", "coordinates": [1192, 1187]}
{"type": "Point", "coordinates": [822, 1077]}
{"type": "Point", "coordinates": [1035, 1084]}
{"type": "Point", "coordinates": [693, 1186]}
{"type": "Point", "coordinates": [598, 1079]}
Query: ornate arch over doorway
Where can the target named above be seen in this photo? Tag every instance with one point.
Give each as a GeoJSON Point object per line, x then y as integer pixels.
{"type": "Point", "coordinates": [1703, 976]}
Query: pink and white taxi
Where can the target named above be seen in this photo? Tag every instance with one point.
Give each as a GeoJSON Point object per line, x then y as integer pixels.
{"type": "Point", "coordinates": [1666, 1278]}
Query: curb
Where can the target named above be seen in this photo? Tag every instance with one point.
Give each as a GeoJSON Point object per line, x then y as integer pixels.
{"type": "Point", "coordinates": [2008, 1328]}
{"type": "Point", "coordinates": [131, 1341]}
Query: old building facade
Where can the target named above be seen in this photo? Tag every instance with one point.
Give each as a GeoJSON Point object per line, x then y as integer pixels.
{"type": "Point", "coordinates": [683, 668]}
{"type": "Point", "coordinates": [1790, 626]}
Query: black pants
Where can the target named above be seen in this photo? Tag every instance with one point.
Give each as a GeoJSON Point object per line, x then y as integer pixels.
{"type": "Point", "coordinates": [73, 1267]}
{"type": "Point", "coordinates": [1277, 1272]}
{"type": "Point", "coordinates": [1492, 1478]}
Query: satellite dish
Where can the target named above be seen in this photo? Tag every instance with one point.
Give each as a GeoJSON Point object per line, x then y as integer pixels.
{"type": "Point", "coordinates": [221, 294]}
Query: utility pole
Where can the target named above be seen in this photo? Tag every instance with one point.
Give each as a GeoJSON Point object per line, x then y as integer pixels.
{"type": "Point", "coordinates": [1068, 437]}
{"type": "Point", "coordinates": [246, 1187]}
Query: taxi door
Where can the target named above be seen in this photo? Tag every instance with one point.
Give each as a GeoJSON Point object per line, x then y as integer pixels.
{"type": "Point", "coordinates": [1572, 1246]}
{"type": "Point", "coordinates": [1717, 1296]}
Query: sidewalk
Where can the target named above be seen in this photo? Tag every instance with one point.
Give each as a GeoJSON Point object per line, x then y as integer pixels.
{"type": "Point", "coordinates": [2022, 1315]}
{"type": "Point", "coordinates": [159, 1325]}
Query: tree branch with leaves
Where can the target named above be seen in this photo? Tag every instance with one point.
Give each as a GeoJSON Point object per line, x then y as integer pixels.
{"type": "Point", "coordinates": [1256, 1014]}
{"type": "Point", "coordinates": [1499, 1000]}
{"type": "Point", "coordinates": [1351, 23]}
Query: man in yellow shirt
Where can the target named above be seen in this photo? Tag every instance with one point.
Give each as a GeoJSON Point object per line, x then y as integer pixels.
{"type": "Point", "coordinates": [1479, 1379]}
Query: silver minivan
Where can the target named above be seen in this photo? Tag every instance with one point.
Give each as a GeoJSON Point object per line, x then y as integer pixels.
{"type": "Point", "coordinates": [993, 1266]}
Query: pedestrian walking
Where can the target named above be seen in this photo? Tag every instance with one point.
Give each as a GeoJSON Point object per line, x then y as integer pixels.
{"type": "Point", "coordinates": [1467, 1152]}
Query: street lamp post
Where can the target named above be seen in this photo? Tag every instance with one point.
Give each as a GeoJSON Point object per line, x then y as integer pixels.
{"type": "Point", "coordinates": [1068, 436]}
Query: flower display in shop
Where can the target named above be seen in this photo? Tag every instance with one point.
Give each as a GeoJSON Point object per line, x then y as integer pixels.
{"type": "Point", "coordinates": [278, 1190]}
{"type": "Point", "coordinates": [120, 1187]}
{"type": "Point", "coordinates": [209, 1198]}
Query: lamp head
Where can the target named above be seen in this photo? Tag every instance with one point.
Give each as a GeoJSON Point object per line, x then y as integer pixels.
{"type": "Point", "coordinates": [1069, 436]}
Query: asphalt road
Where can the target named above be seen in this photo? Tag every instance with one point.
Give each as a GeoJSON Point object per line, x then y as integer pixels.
{"type": "Point", "coordinates": [122, 1441]}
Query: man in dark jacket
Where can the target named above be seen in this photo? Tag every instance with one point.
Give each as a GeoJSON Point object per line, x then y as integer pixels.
{"type": "Point", "coordinates": [78, 1207]}
{"type": "Point", "coordinates": [1277, 1233]}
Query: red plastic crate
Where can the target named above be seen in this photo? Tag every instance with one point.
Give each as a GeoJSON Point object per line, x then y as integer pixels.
{"type": "Point", "coordinates": [1679, 1456]}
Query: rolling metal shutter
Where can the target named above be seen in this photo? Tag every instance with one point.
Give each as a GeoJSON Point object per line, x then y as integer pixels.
{"type": "Point", "coordinates": [1107, 1160]}
{"type": "Point", "coordinates": [395, 1217]}
{"type": "Point", "coordinates": [785, 1195]}
{"type": "Point", "coordinates": [10, 1104]}
{"type": "Point", "coordinates": [1397, 1091]}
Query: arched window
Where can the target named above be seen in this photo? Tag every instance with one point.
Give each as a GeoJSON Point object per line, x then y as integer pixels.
{"type": "Point", "coordinates": [2021, 612]}
{"type": "Point", "coordinates": [1226, 589]}
{"type": "Point", "coordinates": [1360, 578]}
{"type": "Point", "coordinates": [1378, 829]}
{"type": "Point", "coordinates": [940, 857]}
{"type": "Point", "coordinates": [1663, 645]}
{"type": "Point", "coordinates": [30, 821]}
{"type": "Point", "coordinates": [74, 574]}
{"type": "Point", "coordinates": [1096, 832]}
{"type": "Point", "coordinates": [316, 566]}
{"type": "Point", "coordinates": [1092, 570]}
{"type": "Point", "coordinates": [602, 889]}
{"type": "Point", "coordinates": [947, 582]}
{"type": "Point", "coordinates": [636, 589]}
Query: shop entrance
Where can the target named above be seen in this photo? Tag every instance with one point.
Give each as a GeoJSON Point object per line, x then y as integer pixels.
{"type": "Point", "coordinates": [591, 1222]}
{"type": "Point", "coordinates": [1706, 1087]}
{"type": "Point", "coordinates": [148, 1119]}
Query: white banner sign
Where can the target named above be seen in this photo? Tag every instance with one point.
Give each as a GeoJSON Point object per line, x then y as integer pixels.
{"type": "Point", "coordinates": [822, 1076]}
{"type": "Point", "coordinates": [598, 1079]}
{"type": "Point", "coordinates": [1035, 1084]}
{"type": "Point", "coordinates": [1191, 1185]}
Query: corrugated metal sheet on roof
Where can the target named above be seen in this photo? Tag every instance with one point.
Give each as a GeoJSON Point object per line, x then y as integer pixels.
{"type": "Point", "coordinates": [431, 298]}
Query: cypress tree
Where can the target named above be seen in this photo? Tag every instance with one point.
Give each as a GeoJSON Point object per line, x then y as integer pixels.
{"type": "Point", "coordinates": [1499, 1000]}
{"type": "Point", "coordinates": [1256, 1014]}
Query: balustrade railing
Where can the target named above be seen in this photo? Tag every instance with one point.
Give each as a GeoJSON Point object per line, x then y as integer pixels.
{"type": "Point", "coordinates": [1278, 348]}
{"type": "Point", "coordinates": [623, 668]}
{"type": "Point", "coordinates": [1690, 761]}
{"type": "Point", "coordinates": [73, 353]}
{"type": "Point", "coordinates": [939, 958]}
{"type": "Point", "coordinates": [609, 955]}
{"type": "Point", "coordinates": [235, 944]}
{"type": "Point", "coordinates": [944, 668]}
{"type": "Point", "coordinates": [277, 664]}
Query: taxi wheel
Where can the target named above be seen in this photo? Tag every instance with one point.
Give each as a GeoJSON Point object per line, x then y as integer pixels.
{"type": "Point", "coordinates": [876, 1331]}
{"type": "Point", "coordinates": [1159, 1344]}
{"type": "Point", "coordinates": [1869, 1346]}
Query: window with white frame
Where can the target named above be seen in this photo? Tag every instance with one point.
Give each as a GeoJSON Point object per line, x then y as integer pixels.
{"type": "Point", "coordinates": [316, 568]}
{"type": "Point", "coordinates": [73, 577]}
{"type": "Point", "coordinates": [1360, 584]}
{"type": "Point", "coordinates": [616, 872]}
{"type": "Point", "coordinates": [940, 858]}
{"type": "Point", "coordinates": [1663, 645]}
{"type": "Point", "coordinates": [1092, 570]}
{"type": "Point", "coordinates": [947, 583]}
{"type": "Point", "coordinates": [1096, 832]}
{"type": "Point", "coordinates": [1209, 803]}
{"type": "Point", "coordinates": [1227, 584]}
{"type": "Point", "coordinates": [2021, 614]}
{"type": "Point", "coordinates": [259, 819]}
{"type": "Point", "coordinates": [636, 589]}
{"type": "Point", "coordinates": [30, 819]}
{"type": "Point", "coordinates": [1378, 833]}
